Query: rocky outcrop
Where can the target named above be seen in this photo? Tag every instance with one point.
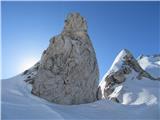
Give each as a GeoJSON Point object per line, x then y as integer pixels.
{"type": "Point", "coordinates": [68, 71]}
{"type": "Point", "coordinates": [124, 65]}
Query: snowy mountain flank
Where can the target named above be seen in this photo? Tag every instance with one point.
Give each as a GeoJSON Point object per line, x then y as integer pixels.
{"type": "Point", "coordinates": [127, 82]}
{"type": "Point", "coordinates": [63, 85]}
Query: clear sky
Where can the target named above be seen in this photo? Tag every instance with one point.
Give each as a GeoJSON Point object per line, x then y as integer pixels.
{"type": "Point", "coordinates": [112, 26]}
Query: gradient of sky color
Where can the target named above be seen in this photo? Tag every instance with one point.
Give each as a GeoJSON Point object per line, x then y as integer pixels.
{"type": "Point", "coordinates": [112, 26]}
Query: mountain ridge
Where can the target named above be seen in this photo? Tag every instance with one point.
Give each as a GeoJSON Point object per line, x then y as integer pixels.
{"type": "Point", "coordinates": [124, 65]}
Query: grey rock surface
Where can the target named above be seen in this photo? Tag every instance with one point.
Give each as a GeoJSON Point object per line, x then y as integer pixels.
{"type": "Point", "coordinates": [68, 71]}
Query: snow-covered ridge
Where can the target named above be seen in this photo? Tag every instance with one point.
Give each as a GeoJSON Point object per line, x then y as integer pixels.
{"type": "Point", "coordinates": [116, 64]}
{"type": "Point", "coordinates": [131, 81]}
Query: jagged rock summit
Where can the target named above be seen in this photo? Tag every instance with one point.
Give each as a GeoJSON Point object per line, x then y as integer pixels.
{"type": "Point", "coordinates": [68, 71]}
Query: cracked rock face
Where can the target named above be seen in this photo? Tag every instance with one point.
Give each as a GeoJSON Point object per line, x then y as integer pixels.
{"type": "Point", "coordinates": [68, 71]}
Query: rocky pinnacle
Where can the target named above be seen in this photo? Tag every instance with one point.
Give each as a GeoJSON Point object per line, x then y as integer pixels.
{"type": "Point", "coordinates": [68, 71]}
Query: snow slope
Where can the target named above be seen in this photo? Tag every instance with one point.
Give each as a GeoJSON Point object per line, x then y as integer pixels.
{"type": "Point", "coordinates": [140, 101]}
{"type": "Point", "coordinates": [18, 103]}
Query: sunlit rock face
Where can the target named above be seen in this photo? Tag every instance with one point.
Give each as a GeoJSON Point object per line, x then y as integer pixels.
{"type": "Point", "coordinates": [68, 71]}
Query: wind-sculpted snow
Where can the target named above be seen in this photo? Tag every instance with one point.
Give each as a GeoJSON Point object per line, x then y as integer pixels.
{"type": "Point", "coordinates": [18, 103]}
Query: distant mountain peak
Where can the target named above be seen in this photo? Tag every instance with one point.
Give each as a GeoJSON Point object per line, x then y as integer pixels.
{"type": "Point", "coordinates": [124, 66]}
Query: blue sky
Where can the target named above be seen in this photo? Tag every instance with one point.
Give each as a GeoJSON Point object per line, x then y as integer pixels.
{"type": "Point", "coordinates": [112, 26]}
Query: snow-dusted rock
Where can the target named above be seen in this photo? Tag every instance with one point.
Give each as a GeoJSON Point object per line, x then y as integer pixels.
{"type": "Point", "coordinates": [68, 71]}
{"type": "Point", "coordinates": [126, 81]}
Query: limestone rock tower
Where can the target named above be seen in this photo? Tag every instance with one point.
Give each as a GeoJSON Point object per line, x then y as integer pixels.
{"type": "Point", "coordinates": [68, 71]}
